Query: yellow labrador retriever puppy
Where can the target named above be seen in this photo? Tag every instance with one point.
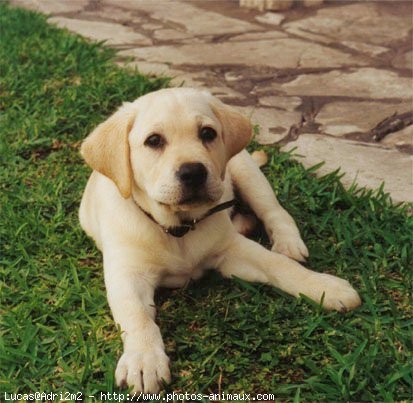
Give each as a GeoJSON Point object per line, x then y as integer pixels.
{"type": "Point", "coordinates": [157, 206]}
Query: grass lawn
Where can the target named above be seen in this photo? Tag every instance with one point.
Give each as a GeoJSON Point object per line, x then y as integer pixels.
{"type": "Point", "coordinates": [56, 330]}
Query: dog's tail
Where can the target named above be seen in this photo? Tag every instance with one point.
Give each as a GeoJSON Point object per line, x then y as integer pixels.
{"type": "Point", "coordinates": [260, 157]}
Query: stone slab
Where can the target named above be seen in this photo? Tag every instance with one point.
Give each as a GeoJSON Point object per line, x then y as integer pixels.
{"type": "Point", "coordinates": [404, 61]}
{"type": "Point", "coordinates": [226, 94]}
{"type": "Point", "coordinates": [366, 164]}
{"type": "Point", "coordinates": [186, 79]}
{"type": "Point", "coordinates": [278, 53]}
{"type": "Point", "coordinates": [364, 83]}
{"type": "Point", "coordinates": [340, 118]}
{"type": "Point", "coordinates": [151, 26]}
{"type": "Point", "coordinates": [279, 102]}
{"type": "Point", "coordinates": [112, 14]}
{"type": "Point", "coordinates": [367, 48]}
{"type": "Point", "coordinates": [273, 124]}
{"type": "Point", "coordinates": [309, 36]}
{"type": "Point", "coordinates": [114, 34]}
{"type": "Point", "coordinates": [258, 36]}
{"type": "Point", "coordinates": [169, 34]}
{"type": "Point", "coordinates": [271, 18]}
{"type": "Point", "coordinates": [52, 6]}
{"type": "Point", "coordinates": [232, 76]}
{"type": "Point", "coordinates": [194, 20]}
{"type": "Point", "coordinates": [402, 138]}
{"type": "Point", "coordinates": [359, 22]}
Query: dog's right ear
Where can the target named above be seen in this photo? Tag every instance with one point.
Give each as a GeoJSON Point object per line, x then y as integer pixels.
{"type": "Point", "coordinates": [106, 149]}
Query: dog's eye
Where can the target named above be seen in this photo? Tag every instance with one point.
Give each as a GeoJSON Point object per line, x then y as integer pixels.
{"type": "Point", "coordinates": [207, 134]}
{"type": "Point", "coordinates": [155, 141]}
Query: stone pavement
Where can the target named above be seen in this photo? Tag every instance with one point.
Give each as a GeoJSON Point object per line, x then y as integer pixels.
{"type": "Point", "coordinates": [320, 80]}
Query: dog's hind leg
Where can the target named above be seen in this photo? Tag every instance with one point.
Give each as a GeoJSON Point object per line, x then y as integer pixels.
{"type": "Point", "coordinates": [244, 224]}
{"type": "Point", "coordinates": [258, 194]}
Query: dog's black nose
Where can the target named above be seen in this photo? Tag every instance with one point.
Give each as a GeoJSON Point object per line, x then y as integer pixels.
{"type": "Point", "coordinates": [192, 174]}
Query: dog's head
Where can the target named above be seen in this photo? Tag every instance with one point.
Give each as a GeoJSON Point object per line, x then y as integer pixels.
{"type": "Point", "coordinates": [173, 144]}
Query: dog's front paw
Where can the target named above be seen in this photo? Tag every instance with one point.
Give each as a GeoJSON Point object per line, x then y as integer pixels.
{"type": "Point", "coordinates": [143, 370]}
{"type": "Point", "coordinates": [339, 295]}
{"type": "Point", "coordinates": [289, 243]}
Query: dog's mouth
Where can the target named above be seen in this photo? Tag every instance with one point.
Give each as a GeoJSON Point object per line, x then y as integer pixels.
{"type": "Point", "coordinates": [190, 202]}
{"type": "Point", "coordinates": [195, 199]}
{"type": "Point", "coordinates": [191, 199]}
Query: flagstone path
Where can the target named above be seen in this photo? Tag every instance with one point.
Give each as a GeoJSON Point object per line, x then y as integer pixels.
{"type": "Point", "coordinates": [318, 79]}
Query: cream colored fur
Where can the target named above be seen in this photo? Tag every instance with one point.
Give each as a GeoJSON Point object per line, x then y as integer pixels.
{"type": "Point", "coordinates": [138, 256]}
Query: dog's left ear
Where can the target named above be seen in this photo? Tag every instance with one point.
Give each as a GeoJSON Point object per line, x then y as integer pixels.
{"type": "Point", "coordinates": [237, 129]}
{"type": "Point", "coordinates": [106, 149]}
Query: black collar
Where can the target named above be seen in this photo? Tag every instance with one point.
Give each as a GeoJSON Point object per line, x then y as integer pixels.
{"type": "Point", "coordinates": [188, 225]}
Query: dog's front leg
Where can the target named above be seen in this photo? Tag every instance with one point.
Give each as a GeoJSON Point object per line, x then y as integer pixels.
{"type": "Point", "coordinates": [252, 262]}
{"type": "Point", "coordinates": [256, 191]}
{"type": "Point", "coordinates": [143, 364]}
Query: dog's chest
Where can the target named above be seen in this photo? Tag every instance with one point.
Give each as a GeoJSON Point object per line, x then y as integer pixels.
{"type": "Point", "coordinates": [188, 257]}
{"type": "Point", "coordinates": [181, 269]}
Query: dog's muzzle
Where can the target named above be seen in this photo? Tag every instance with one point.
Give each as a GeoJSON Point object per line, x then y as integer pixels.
{"type": "Point", "coordinates": [193, 177]}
